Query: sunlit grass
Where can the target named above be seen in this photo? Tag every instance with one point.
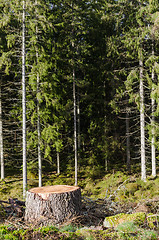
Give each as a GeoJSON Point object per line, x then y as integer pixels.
{"type": "Point", "coordinates": [119, 185]}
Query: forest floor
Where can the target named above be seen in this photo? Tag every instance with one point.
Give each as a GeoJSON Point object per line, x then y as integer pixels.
{"type": "Point", "coordinates": [111, 195]}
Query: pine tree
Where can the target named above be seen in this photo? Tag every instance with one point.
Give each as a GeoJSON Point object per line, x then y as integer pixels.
{"type": "Point", "coordinates": [9, 80]}
{"type": "Point", "coordinates": [49, 108]}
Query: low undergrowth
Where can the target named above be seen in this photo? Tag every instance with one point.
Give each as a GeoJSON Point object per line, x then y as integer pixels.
{"type": "Point", "coordinates": [123, 231]}
{"type": "Point", "coordinates": [130, 231]}
{"type": "Point", "coordinates": [118, 186]}
{"type": "Point", "coordinates": [122, 187]}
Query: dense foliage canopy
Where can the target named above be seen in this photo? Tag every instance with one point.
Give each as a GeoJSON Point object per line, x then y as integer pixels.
{"type": "Point", "coordinates": [91, 71]}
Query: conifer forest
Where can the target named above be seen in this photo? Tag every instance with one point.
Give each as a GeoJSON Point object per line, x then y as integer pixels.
{"type": "Point", "coordinates": [79, 87]}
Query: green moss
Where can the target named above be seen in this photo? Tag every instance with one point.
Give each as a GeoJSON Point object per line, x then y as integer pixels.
{"type": "Point", "coordinates": [108, 184]}
{"type": "Point", "coordinates": [108, 234]}
{"type": "Point", "coordinates": [20, 233]}
{"type": "Point", "coordinates": [113, 221]}
{"type": "Point", "coordinates": [89, 234]}
{"type": "Point", "coordinates": [121, 197]}
{"type": "Point", "coordinates": [3, 230]}
{"type": "Point", "coordinates": [84, 233]}
{"type": "Point", "coordinates": [148, 189]}
{"type": "Point", "coordinates": [129, 231]}
{"type": "Point", "coordinates": [97, 188]}
{"type": "Point", "coordinates": [2, 212]}
{"type": "Point", "coordinates": [138, 217]}
{"type": "Point", "coordinates": [147, 234]}
{"type": "Point", "coordinates": [5, 233]}
{"type": "Point", "coordinates": [47, 229]}
{"type": "Point", "coordinates": [127, 227]}
{"type": "Point", "coordinates": [31, 175]}
{"type": "Point", "coordinates": [131, 188]}
{"type": "Point", "coordinates": [9, 236]}
{"type": "Point", "coordinates": [152, 220]}
{"type": "Point", "coordinates": [68, 228]}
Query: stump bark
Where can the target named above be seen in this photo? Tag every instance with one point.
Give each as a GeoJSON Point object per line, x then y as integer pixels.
{"type": "Point", "coordinates": [56, 203]}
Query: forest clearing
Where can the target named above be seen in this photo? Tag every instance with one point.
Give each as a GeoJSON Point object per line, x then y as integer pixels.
{"type": "Point", "coordinates": [113, 195]}
{"type": "Point", "coordinates": [79, 98]}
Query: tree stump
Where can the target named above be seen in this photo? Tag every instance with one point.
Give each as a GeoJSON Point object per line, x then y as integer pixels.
{"type": "Point", "coordinates": [54, 204]}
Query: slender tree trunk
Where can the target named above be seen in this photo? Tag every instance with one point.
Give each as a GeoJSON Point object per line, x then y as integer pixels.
{"type": "Point", "coordinates": [58, 162]}
{"type": "Point", "coordinates": [106, 164]}
{"type": "Point", "coordinates": [24, 105]}
{"type": "Point", "coordinates": [105, 130]}
{"type": "Point", "coordinates": [1, 137]}
{"type": "Point", "coordinates": [142, 121]}
{"type": "Point", "coordinates": [78, 124]}
{"type": "Point", "coordinates": [74, 106]}
{"type": "Point", "coordinates": [39, 135]}
{"type": "Point", "coordinates": [153, 154]}
{"type": "Point", "coordinates": [75, 127]}
{"type": "Point", "coordinates": [128, 143]}
{"type": "Point", "coordinates": [58, 155]}
{"type": "Point", "coordinates": [38, 115]}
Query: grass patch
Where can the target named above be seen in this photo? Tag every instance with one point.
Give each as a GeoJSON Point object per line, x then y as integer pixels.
{"type": "Point", "coordinates": [130, 231]}
{"type": "Point", "coordinates": [119, 186]}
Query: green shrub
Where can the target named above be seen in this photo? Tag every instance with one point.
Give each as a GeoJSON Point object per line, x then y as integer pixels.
{"type": "Point", "coordinates": [68, 228]}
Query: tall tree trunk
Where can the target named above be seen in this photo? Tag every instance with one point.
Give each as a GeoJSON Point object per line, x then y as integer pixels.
{"type": "Point", "coordinates": [153, 154]}
{"type": "Point", "coordinates": [58, 162]}
{"type": "Point", "coordinates": [38, 110]}
{"type": "Point", "coordinates": [142, 120]}
{"type": "Point", "coordinates": [24, 105]}
{"type": "Point", "coordinates": [75, 127]}
{"type": "Point", "coordinates": [58, 154]}
{"type": "Point", "coordinates": [74, 104]}
{"type": "Point", "coordinates": [105, 130]}
{"type": "Point", "coordinates": [128, 143]}
{"type": "Point", "coordinates": [38, 120]}
{"type": "Point", "coordinates": [106, 164]}
{"type": "Point", "coordinates": [78, 124]}
{"type": "Point", "coordinates": [39, 135]}
{"type": "Point", "coordinates": [1, 137]}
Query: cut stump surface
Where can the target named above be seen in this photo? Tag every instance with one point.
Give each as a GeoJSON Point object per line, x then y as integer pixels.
{"type": "Point", "coordinates": [57, 203]}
